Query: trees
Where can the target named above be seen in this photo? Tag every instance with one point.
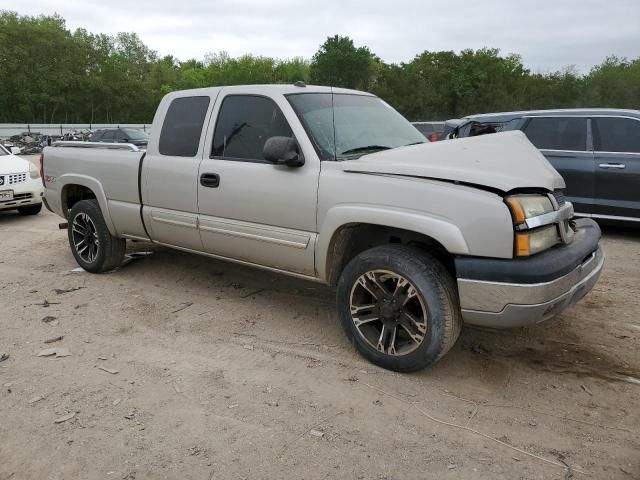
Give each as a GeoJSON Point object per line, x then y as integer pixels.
{"type": "Point", "coordinates": [339, 63]}
{"type": "Point", "coordinates": [614, 83]}
{"type": "Point", "coordinates": [34, 78]}
{"type": "Point", "coordinates": [50, 74]}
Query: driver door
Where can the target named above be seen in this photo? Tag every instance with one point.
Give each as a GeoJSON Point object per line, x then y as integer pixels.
{"type": "Point", "coordinates": [250, 209]}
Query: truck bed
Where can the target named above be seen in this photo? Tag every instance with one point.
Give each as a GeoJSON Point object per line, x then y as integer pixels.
{"type": "Point", "coordinates": [114, 172]}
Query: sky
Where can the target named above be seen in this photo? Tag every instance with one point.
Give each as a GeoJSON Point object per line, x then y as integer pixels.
{"type": "Point", "coordinates": [549, 34]}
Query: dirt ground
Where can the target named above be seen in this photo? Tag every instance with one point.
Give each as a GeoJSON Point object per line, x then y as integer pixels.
{"type": "Point", "coordinates": [185, 367]}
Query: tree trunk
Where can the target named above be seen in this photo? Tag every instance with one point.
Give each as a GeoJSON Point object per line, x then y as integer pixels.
{"type": "Point", "coordinates": [55, 108]}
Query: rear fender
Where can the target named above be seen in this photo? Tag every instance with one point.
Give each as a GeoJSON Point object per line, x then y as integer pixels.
{"type": "Point", "coordinates": [96, 187]}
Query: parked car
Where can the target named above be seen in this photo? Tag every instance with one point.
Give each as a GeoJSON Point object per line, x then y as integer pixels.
{"type": "Point", "coordinates": [333, 185]}
{"type": "Point", "coordinates": [433, 131]}
{"type": "Point", "coordinates": [20, 185]}
{"type": "Point", "coordinates": [135, 136]}
{"type": "Point", "coordinates": [597, 151]}
{"type": "Point", "coordinates": [436, 131]}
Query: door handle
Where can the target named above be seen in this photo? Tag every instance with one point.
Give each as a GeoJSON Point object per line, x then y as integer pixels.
{"type": "Point", "coordinates": [210, 180]}
{"type": "Point", "coordinates": [619, 166]}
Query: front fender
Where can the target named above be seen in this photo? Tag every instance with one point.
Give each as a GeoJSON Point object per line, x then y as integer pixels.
{"type": "Point", "coordinates": [440, 229]}
{"type": "Point", "coordinates": [96, 187]}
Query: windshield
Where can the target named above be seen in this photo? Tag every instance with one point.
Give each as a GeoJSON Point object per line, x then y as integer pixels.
{"type": "Point", "coordinates": [135, 134]}
{"type": "Point", "coordinates": [3, 151]}
{"type": "Point", "coordinates": [349, 125]}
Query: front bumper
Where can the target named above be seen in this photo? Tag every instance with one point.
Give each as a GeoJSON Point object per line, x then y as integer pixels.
{"type": "Point", "coordinates": [513, 293]}
{"type": "Point", "coordinates": [29, 192]}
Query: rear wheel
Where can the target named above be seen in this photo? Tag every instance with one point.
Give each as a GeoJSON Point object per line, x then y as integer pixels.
{"type": "Point", "coordinates": [93, 247]}
{"type": "Point", "coordinates": [399, 306]}
{"type": "Point", "coordinates": [30, 209]}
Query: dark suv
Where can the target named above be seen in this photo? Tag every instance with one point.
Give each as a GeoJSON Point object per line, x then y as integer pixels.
{"type": "Point", "coordinates": [137, 137]}
{"type": "Point", "coordinates": [597, 151]}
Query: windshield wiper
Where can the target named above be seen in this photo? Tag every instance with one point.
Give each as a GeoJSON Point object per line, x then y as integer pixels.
{"type": "Point", "coordinates": [375, 148]}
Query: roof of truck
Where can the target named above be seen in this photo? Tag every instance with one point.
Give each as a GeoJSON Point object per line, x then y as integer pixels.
{"type": "Point", "coordinates": [507, 116]}
{"type": "Point", "coordinates": [283, 89]}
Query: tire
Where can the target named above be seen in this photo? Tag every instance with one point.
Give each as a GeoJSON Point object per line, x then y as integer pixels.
{"type": "Point", "coordinates": [87, 228]}
{"type": "Point", "coordinates": [30, 209]}
{"type": "Point", "coordinates": [412, 340]}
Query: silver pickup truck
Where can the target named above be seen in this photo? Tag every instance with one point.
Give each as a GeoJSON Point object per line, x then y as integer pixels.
{"type": "Point", "coordinates": [335, 186]}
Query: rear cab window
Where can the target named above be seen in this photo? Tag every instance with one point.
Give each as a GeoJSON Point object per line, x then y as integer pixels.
{"type": "Point", "coordinates": [616, 134]}
{"type": "Point", "coordinates": [182, 126]}
{"type": "Point", "coordinates": [558, 133]}
{"type": "Point", "coordinates": [244, 124]}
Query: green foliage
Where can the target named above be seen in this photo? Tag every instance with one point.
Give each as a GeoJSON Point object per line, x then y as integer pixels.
{"type": "Point", "coordinates": [615, 83]}
{"type": "Point", "coordinates": [340, 63]}
{"type": "Point", "coordinates": [50, 74]}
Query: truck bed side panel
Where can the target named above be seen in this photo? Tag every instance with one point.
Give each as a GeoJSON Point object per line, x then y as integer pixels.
{"type": "Point", "coordinates": [111, 174]}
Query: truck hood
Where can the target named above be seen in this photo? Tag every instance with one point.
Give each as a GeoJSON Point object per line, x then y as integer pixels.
{"type": "Point", "coordinates": [501, 161]}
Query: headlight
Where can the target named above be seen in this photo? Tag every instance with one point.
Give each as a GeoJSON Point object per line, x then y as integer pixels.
{"type": "Point", "coordinates": [528, 239]}
{"type": "Point", "coordinates": [34, 172]}
{"type": "Point", "coordinates": [535, 241]}
{"type": "Point", "coordinates": [528, 206]}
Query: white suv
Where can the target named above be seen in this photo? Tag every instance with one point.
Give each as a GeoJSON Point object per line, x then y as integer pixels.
{"type": "Point", "coordinates": [20, 184]}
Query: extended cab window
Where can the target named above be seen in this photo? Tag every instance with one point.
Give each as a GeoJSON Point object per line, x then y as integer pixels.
{"type": "Point", "coordinates": [244, 124]}
{"type": "Point", "coordinates": [561, 133]}
{"type": "Point", "coordinates": [616, 135]}
{"type": "Point", "coordinates": [180, 135]}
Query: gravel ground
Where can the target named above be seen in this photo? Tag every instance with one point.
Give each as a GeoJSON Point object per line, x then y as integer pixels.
{"type": "Point", "coordinates": [186, 367]}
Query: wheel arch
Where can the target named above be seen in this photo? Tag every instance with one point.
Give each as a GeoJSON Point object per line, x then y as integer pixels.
{"type": "Point", "coordinates": [81, 187]}
{"type": "Point", "coordinates": [352, 231]}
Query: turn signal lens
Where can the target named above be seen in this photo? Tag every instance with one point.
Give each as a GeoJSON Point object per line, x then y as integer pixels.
{"type": "Point", "coordinates": [516, 210]}
{"type": "Point", "coordinates": [522, 245]}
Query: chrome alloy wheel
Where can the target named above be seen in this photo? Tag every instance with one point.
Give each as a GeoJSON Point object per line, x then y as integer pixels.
{"type": "Point", "coordinates": [85, 237]}
{"type": "Point", "coordinates": [388, 312]}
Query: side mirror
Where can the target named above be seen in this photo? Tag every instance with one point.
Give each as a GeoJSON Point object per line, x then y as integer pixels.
{"type": "Point", "coordinates": [15, 150]}
{"type": "Point", "coordinates": [283, 151]}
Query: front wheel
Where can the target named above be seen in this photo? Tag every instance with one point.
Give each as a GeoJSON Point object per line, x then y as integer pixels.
{"type": "Point", "coordinates": [92, 245]}
{"type": "Point", "coordinates": [399, 306]}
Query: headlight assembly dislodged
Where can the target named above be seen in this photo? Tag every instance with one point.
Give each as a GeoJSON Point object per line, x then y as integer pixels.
{"type": "Point", "coordinates": [528, 206]}
{"type": "Point", "coordinates": [530, 242]}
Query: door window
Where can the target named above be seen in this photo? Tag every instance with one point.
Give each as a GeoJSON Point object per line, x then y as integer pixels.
{"type": "Point", "coordinates": [182, 127]}
{"type": "Point", "coordinates": [244, 124]}
{"type": "Point", "coordinates": [615, 134]}
{"type": "Point", "coordinates": [558, 133]}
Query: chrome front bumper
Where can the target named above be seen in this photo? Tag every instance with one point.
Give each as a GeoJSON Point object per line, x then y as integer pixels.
{"type": "Point", "coordinates": [534, 293]}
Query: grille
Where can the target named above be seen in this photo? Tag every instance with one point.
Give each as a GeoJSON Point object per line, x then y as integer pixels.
{"type": "Point", "coordinates": [559, 196]}
{"type": "Point", "coordinates": [14, 178]}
